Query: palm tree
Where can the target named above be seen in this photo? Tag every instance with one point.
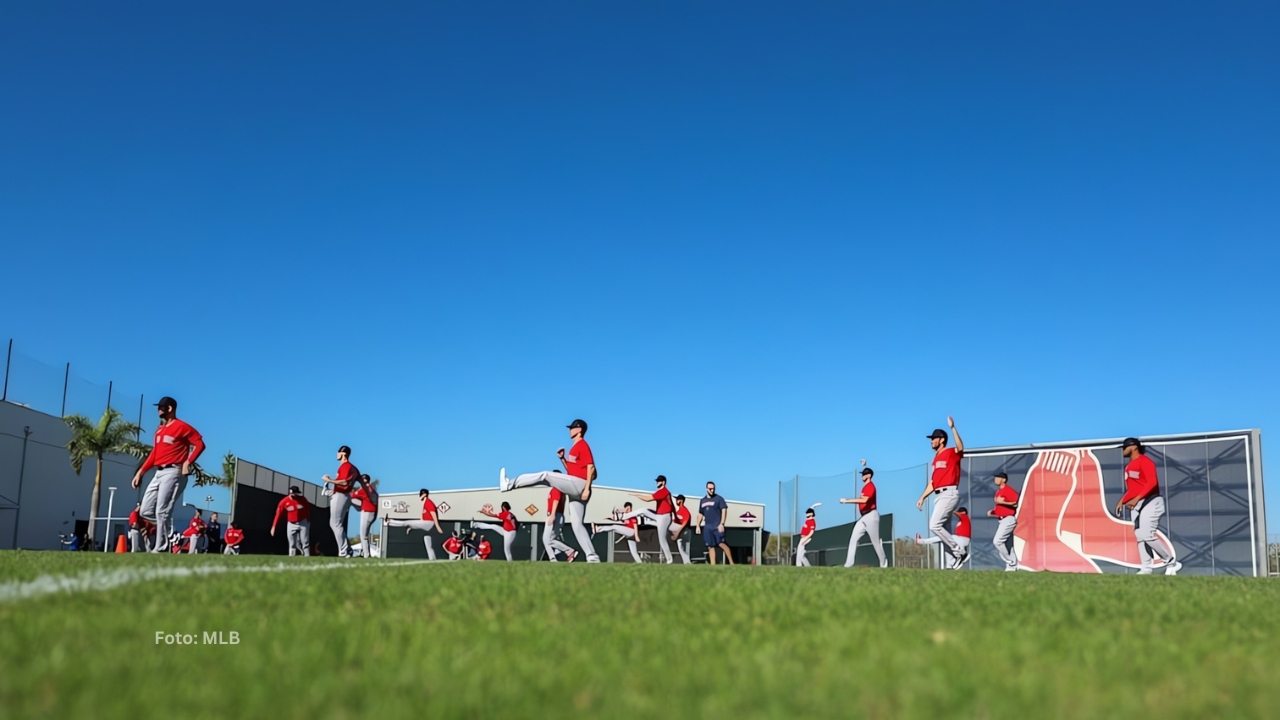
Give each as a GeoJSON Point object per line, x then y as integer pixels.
{"type": "Point", "coordinates": [111, 434]}
{"type": "Point", "coordinates": [228, 478]}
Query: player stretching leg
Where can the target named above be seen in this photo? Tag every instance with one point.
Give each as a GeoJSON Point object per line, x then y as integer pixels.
{"type": "Point", "coordinates": [551, 531]}
{"type": "Point", "coordinates": [806, 534]}
{"type": "Point", "coordinates": [366, 498]}
{"type": "Point", "coordinates": [177, 448]}
{"type": "Point", "coordinates": [507, 529]}
{"type": "Point", "coordinates": [626, 529]}
{"type": "Point", "coordinates": [1006, 512]}
{"type": "Point", "coordinates": [575, 482]}
{"type": "Point", "coordinates": [963, 536]}
{"type": "Point", "coordinates": [680, 530]}
{"type": "Point", "coordinates": [298, 513]}
{"type": "Point", "coordinates": [944, 483]}
{"type": "Point", "coordinates": [869, 523]}
{"type": "Point", "coordinates": [660, 514]}
{"type": "Point", "coordinates": [1142, 495]}
{"type": "Point", "coordinates": [348, 477]}
{"type": "Point", "coordinates": [430, 521]}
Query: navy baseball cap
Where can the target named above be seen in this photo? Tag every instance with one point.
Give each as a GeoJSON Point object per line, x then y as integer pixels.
{"type": "Point", "coordinates": [1131, 442]}
{"type": "Point", "coordinates": [345, 449]}
{"type": "Point", "coordinates": [295, 490]}
{"type": "Point", "coordinates": [937, 433]}
{"type": "Point", "coordinates": [1002, 474]}
{"type": "Point", "coordinates": [660, 478]}
{"type": "Point", "coordinates": [868, 471]}
{"type": "Point", "coordinates": [167, 402]}
{"type": "Point", "coordinates": [579, 423]}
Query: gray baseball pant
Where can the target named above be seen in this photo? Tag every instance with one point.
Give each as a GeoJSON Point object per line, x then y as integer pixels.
{"type": "Point", "coordinates": [1146, 520]}
{"type": "Point", "coordinates": [572, 488]}
{"type": "Point", "coordinates": [299, 535]}
{"type": "Point", "coordinates": [338, 504]}
{"type": "Point", "coordinates": [944, 503]}
{"type": "Point", "coordinates": [158, 500]}
{"type": "Point", "coordinates": [682, 544]}
{"type": "Point", "coordinates": [551, 537]}
{"type": "Point", "coordinates": [869, 525]}
{"type": "Point", "coordinates": [366, 522]}
{"type": "Point", "coordinates": [508, 536]}
{"type": "Point", "coordinates": [664, 526]}
{"type": "Point", "coordinates": [801, 560]}
{"type": "Point", "coordinates": [231, 550]}
{"type": "Point", "coordinates": [426, 526]}
{"type": "Point", "coordinates": [1004, 533]}
{"type": "Point", "coordinates": [626, 532]}
{"type": "Point", "coordinates": [137, 541]}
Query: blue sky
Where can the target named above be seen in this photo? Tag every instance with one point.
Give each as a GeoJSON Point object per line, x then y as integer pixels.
{"type": "Point", "coordinates": [743, 240]}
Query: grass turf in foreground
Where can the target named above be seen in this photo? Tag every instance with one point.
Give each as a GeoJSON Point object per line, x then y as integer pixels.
{"type": "Point", "coordinates": [539, 640]}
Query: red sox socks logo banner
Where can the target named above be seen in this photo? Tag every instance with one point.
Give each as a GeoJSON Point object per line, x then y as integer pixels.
{"type": "Point", "coordinates": [1064, 523]}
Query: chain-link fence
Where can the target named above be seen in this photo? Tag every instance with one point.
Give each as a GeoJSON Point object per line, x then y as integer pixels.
{"type": "Point", "coordinates": [59, 390]}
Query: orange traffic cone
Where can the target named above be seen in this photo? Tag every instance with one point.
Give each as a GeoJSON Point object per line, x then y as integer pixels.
{"type": "Point", "coordinates": [122, 544]}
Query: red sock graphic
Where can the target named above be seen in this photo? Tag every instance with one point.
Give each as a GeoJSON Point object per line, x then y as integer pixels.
{"type": "Point", "coordinates": [1100, 534]}
{"type": "Point", "coordinates": [1050, 484]}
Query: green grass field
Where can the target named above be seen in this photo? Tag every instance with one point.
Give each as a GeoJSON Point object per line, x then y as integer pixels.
{"type": "Point", "coordinates": [471, 640]}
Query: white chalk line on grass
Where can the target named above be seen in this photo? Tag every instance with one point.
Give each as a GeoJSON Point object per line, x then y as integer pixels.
{"type": "Point", "coordinates": [101, 580]}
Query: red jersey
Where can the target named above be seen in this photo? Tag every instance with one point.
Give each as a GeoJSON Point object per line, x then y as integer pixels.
{"type": "Point", "coordinates": [176, 443]}
{"type": "Point", "coordinates": [553, 501]}
{"type": "Point", "coordinates": [946, 468]}
{"type": "Point", "coordinates": [234, 536]}
{"type": "Point", "coordinates": [428, 509]}
{"type": "Point", "coordinates": [368, 499]}
{"type": "Point", "coordinates": [453, 545]}
{"type": "Point", "coordinates": [631, 522]}
{"type": "Point", "coordinates": [578, 459]}
{"type": "Point", "coordinates": [964, 526]}
{"type": "Point", "coordinates": [663, 498]}
{"type": "Point", "coordinates": [810, 527]}
{"type": "Point", "coordinates": [682, 516]}
{"type": "Point", "coordinates": [1140, 480]}
{"type": "Point", "coordinates": [135, 519]}
{"type": "Point", "coordinates": [508, 519]}
{"type": "Point", "coordinates": [195, 528]}
{"type": "Point", "coordinates": [869, 492]}
{"type": "Point", "coordinates": [296, 508]}
{"type": "Point", "coordinates": [484, 549]}
{"type": "Point", "coordinates": [346, 477]}
{"type": "Point", "coordinates": [1008, 494]}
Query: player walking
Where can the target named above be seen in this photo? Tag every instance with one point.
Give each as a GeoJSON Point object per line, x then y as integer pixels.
{"type": "Point", "coordinates": [575, 482]}
{"type": "Point", "coordinates": [297, 510]}
{"type": "Point", "coordinates": [1142, 495]}
{"type": "Point", "coordinates": [944, 483]}
{"type": "Point", "coordinates": [806, 534]}
{"type": "Point", "coordinates": [365, 497]}
{"type": "Point", "coordinates": [177, 447]}
{"type": "Point", "coordinates": [1006, 512]}
{"type": "Point", "coordinates": [551, 531]}
{"type": "Point", "coordinates": [507, 529]}
{"type": "Point", "coordinates": [680, 530]}
{"type": "Point", "coordinates": [869, 523]}
{"type": "Point", "coordinates": [348, 477]}
{"type": "Point", "coordinates": [430, 522]}
{"type": "Point", "coordinates": [625, 528]}
{"type": "Point", "coordinates": [711, 515]}
{"type": "Point", "coordinates": [660, 514]}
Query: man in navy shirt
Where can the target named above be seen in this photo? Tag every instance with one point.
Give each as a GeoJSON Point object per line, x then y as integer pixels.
{"type": "Point", "coordinates": [712, 511]}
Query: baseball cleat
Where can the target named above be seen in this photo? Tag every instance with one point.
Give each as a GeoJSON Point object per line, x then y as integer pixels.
{"type": "Point", "coordinates": [504, 483]}
{"type": "Point", "coordinates": [918, 538]}
{"type": "Point", "coordinates": [1172, 568]}
{"type": "Point", "coordinates": [1144, 571]}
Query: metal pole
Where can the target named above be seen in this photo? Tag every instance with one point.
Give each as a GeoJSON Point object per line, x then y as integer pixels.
{"type": "Point", "coordinates": [111, 505]}
{"type": "Point", "coordinates": [22, 471]}
{"type": "Point", "coordinates": [777, 545]}
{"type": "Point", "coordinates": [109, 384]}
{"type": "Point", "coordinates": [8, 362]}
{"type": "Point", "coordinates": [139, 433]}
{"type": "Point", "coordinates": [66, 380]}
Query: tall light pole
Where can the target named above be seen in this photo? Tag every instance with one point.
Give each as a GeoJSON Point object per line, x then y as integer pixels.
{"type": "Point", "coordinates": [111, 503]}
{"type": "Point", "coordinates": [208, 500]}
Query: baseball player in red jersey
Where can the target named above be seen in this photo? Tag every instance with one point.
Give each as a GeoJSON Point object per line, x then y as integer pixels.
{"type": "Point", "coordinates": [625, 528]}
{"type": "Point", "coordinates": [575, 482]}
{"type": "Point", "coordinates": [483, 549]}
{"type": "Point", "coordinates": [806, 533]}
{"type": "Point", "coordinates": [232, 540]}
{"type": "Point", "coordinates": [551, 531]}
{"type": "Point", "coordinates": [681, 530]}
{"type": "Point", "coordinates": [660, 514]}
{"type": "Point", "coordinates": [347, 478]}
{"type": "Point", "coordinates": [366, 498]}
{"type": "Point", "coordinates": [1142, 496]}
{"type": "Point", "coordinates": [1006, 512]}
{"type": "Point", "coordinates": [944, 485]}
{"type": "Point", "coordinates": [453, 546]}
{"type": "Point", "coordinates": [963, 536]}
{"type": "Point", "coordinates": [177, 447]}
{"type": "Point", "coordinates": [507, 529]}
{"type": "Point", "coordinates": [139, 541]}
{"type": "Point", "coordinates": [869, 523]}
{"type": "Point", "coordinates": [194, 532]}
{"type": "Point", "coordinates": [298, 513]}
{"type": "Point", "coordinates": [430, 522]}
